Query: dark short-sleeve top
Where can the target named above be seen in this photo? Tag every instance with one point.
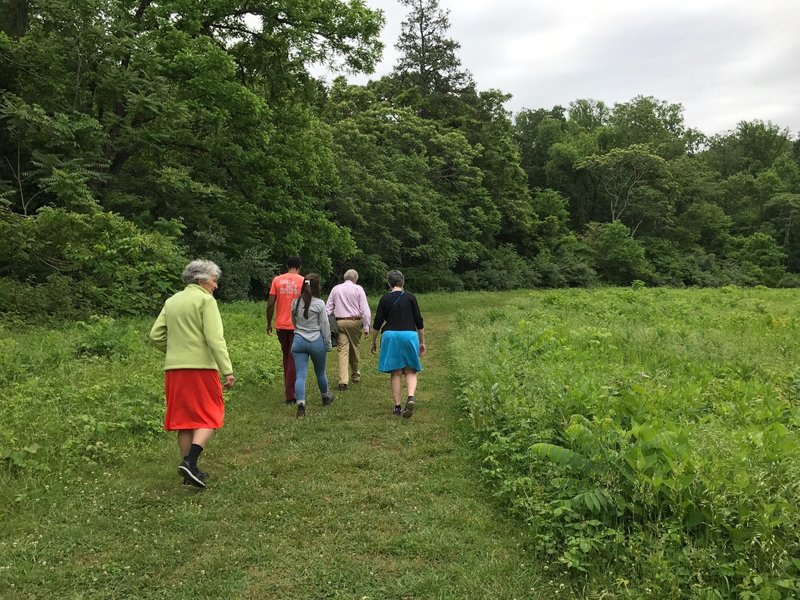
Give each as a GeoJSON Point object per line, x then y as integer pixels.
{"type": "Point", "coordinates": [398, 311]}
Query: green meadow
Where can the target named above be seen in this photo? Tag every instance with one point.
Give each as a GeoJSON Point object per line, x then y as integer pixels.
{"type": "Point", "coordinates": [609, 443]}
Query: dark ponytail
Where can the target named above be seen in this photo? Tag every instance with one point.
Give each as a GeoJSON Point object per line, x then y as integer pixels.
{"type": "Point", "coordinates": [311, 287]}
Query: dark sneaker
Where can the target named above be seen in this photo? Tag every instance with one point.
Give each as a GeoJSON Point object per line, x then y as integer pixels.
{"type": "Point", "coordinates": [327, 399]}
{"type": "Point", "coordinates": [397, 410]}
{"type": "Point", "coordinates": [301, 410]}
{"type": "Point", "coordinates": [201, 474]}
{"type": "Point", "coordinates": [409, 409]}
{"type": "Point", "coordinates": [292, 401]}
{"type": "Point", "coordinates": [191, 474]}
{"type": "Point", "coordinates": [343, 387]}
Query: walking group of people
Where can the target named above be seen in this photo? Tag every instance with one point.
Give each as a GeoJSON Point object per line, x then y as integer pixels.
{"type": "Point", "coordinates": [189, 331]}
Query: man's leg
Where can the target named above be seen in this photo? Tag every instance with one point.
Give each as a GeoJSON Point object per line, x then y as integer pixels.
{"type": "Point", "coordinates": [354, 335]}
{"type": "Point", "coordinates": [343, 349]}
{"type": "Point", "coordinates": [286, 337]}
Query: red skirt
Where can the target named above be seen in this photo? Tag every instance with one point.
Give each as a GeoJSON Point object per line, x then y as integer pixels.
{"type": "Point", "coordinates": [194, 399]}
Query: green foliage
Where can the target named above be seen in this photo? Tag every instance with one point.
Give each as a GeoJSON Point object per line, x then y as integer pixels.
{"type": "Point", "coordinates": [636, 184]}
{"type": "Point", "coordinates": [647, 120]}
{"type": "Point", "coordinates": [646, 432]}
{"type": "Point", "coordinates": [104, 337]}
{"type": "Point", "coordinates": [94, 389]}
{"type": "Point", "coordinates": [502, 269]}
{"type": "Point", "coordinates": [760, 260]}
{"type": "Point", "coordinates": [176, 112]}
{"type": "Point", "coordinates": [68, 264]}
{"type": "Point", "coordinates": [81, 387]}
{"type": "Point", "coordinates": [248, 276]}
{"type": "Point", "coordinates": [618, 258]}
{"type": "Point", "coordinates": [428, 71]}
{"type": "Point", "coordinates": [752, 147]}
{"type": "Point", "coordinates": [203, 122]}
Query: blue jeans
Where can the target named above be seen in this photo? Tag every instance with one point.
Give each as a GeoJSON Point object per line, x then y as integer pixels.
{"type": "Point", "coordinates": [301, 350]}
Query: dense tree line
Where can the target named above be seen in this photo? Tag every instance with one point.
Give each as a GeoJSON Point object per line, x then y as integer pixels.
{"type": "Point", "coordinates": [135, 133]}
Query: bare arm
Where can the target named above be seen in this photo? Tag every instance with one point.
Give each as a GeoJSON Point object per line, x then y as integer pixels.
{"type": "Point", "coordinates": [270, 312]}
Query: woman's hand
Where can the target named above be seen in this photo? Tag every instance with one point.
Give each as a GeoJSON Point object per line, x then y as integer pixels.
{"type": "Point", "coordinates": [229, 381]}
{"type": "Point", "coordinates": [373, 346]}
{"type": "Point", "coordinates": [422, 348]}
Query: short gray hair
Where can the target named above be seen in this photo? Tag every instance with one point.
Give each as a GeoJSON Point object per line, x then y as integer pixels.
{"type": "Point", "coordinates": [351, 275]}
{"type": "Point", "coordinates": [200, 271]}
{"type": "Point", "coordinates": [395, 278]}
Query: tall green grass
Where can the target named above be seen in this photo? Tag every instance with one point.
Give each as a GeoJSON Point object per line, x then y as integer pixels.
{"type": "Point", "coordinates": [349, 502]}
{"type": "Point", "coordinates": [648, 435]}
{"type": "Point", "coordinates": [645, 441]}
{"type": "Point", "coordinates": [91, 392]}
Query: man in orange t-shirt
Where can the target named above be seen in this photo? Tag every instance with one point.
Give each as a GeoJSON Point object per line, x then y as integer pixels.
{"type": "Point", "coordinates": [283, 290]}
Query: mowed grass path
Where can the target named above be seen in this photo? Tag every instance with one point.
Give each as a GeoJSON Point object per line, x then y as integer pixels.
{"type": "Point", "coordinates": [350, 502]}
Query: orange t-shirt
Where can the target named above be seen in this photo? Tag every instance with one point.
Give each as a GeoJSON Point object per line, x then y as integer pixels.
{"type": "Point", "coordinates": [285, 288]}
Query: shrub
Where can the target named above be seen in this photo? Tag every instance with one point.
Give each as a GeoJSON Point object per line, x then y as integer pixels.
{"type": "Point", "coordinates": [69, 264]}
{"type": "Point", "coordinates": [502, 269]}
{"type": "Point", "coordinates": [618, 258]}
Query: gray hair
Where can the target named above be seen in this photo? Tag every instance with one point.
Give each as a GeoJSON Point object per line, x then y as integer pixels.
{"type": "Point", "coordinates": [200, 271]}
{"type": "Point", "coordinates": [351, 275]}
{"type": "Point", "coordinates": [395, 278]}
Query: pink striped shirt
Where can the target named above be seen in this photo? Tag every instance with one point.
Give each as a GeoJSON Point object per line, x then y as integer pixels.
{"type": "Point", "coordinates": [348, 300]}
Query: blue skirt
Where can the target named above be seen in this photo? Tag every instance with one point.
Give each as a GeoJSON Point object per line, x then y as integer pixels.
{"type": "Point", "coordinates": [399, 350]}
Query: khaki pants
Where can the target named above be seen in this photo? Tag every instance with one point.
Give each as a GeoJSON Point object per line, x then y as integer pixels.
{"type": "Point", "coordinates": [349, 360]}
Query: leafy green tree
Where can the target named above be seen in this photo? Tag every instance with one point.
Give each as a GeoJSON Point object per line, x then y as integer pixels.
{"type": "Point", "coordinates": [587, 114]}
{"type": "Point", "coordinates": [752, 147]}
{"type": "Point", "coordinates": [706, 224]}
{"type": "Point", "coordinates": [618, 258]}
{"type": "Point", "coordinates": [636, 185]}
{"type": "Point", "coordinates": [659, 124]}
{"type": "Point", "coordinates": [783, 213]}
{"type": "Point", "coordinates": [553, 217]}
{"type": "Point", "coordinates": [760, 261]}
{"type": "Point", "coordinates": [563, 173]}
{"type": "Point", "coordinates": [535, 131]}
{"type": "Point", "coordinates": [385, 196]}
{"type": "Point", "coordinates": [200, 112]}
{"type": "Point", "coordinates": [498, 159]}
{"type": "Point", "coordinates": [68, 264]}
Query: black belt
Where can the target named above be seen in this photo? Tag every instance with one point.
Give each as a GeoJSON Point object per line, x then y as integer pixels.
{"type": "Point", "coordinates": [348, 318]}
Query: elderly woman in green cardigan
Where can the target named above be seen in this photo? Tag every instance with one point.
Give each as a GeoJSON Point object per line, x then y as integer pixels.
{"type": "Point", "coordinates": [189, 331]}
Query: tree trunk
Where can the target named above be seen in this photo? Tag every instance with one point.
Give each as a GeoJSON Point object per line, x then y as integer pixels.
{"type": "Point", "coordinates": [14, 17]}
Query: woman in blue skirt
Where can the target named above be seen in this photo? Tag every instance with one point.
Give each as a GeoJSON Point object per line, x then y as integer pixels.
{"type": "Point", "coordinates": [402, 340]}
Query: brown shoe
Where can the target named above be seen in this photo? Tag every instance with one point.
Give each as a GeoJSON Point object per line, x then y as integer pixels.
{"type": "Point", "coordinates": [342, 387]}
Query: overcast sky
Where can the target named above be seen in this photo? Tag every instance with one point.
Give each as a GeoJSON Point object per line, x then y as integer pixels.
{"type": "Point", "coordinates": [724, 60]}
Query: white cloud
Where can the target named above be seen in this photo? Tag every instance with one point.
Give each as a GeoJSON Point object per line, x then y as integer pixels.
{"type": "Point", "coordinates": [723, 60]}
